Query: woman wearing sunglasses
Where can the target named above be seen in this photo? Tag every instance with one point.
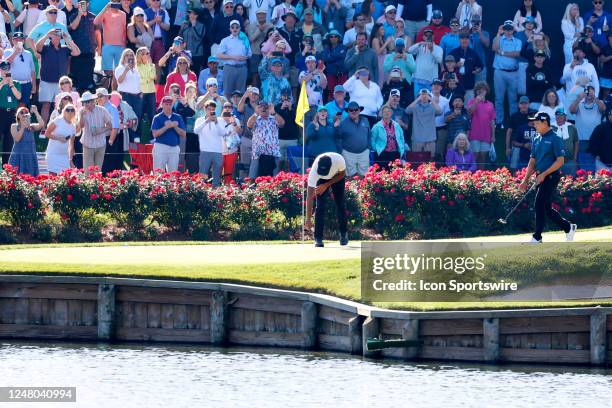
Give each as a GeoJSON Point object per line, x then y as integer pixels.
{"type": "Point", "coordinates": [23, 154]}
{"type": "Point", "coordinates": [60, 133]}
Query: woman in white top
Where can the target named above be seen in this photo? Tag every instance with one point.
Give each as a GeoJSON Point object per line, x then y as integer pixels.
{"type": "Point", "coordinates": [60, 133]}
{"type": "Point", "coordinates": [466, 10]}
{"type": "Point", "coordinates": [550, 102]}
{"type": "Point", "coordinates": [572, 26]}
{"type": "Point", "coordinates": [128, 81]}
{"type": "Point", "coordinates": [528, 8]}
{"type": "Point", "coordinates": [366, 93]}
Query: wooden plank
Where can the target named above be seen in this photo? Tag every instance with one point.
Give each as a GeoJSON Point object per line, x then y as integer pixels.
{"type": "Point", "coordinates": [452, 353]}
{"type": "Point", "coordinates": [354, 334]}
{"type": "Point", "coordinates": [219, 314]}
{"type": "Point", "coordinates": [7, 311]}
{"type": "Point", "coordinates": [370, 329]}
{"type": "Point", "coordinates": [193, 317]}
{"type": "Point", "coordinates": [335, 343]}
{"type": "Point", "coordinates": [543, 340]}
{"type": "Point", "coordinates": [89, 312]}
{"type": "Point", "coordinates": [125, 317]}
{"type": "Point", "coordinates": [205, 317]}
{"type": "Point", "coordinates": [140, 315]}
{"type": "Point", "coordinates": [266, 304]}
{"type": "Point", "coordinates": [309, 324]}
{"type": "Point", "coordinates": [167, 316]}
{"type": "Point", "coordinates": [598, 338]}
{"type": "Point", "coordinates": [60, 317]}
{"type": "Point", "coordinates": [450, 327]}
{"type": "Point", "coordinates": [75, 312]}
{"type": "Point", "coordinates": [332, 328]}
{"type": "Point", "coordinates": [48, 307]}
{"type": "Point", "coordinates": [410, 331]}
{"type": "Point", "coordinates": [558, 341]}
{"type": "Point", "coordinates": [180, 317]}
{"type": "Point", "coordinates": [163, 295]}
{"type": "Point", "coordinates": [334, 315]}
{"type": "Point", "coordinates": [578, 341]}
{"type": "Point", "coordinates": [106, 312]}
{"type": "Point", "coordinates": [153, 315]}
{"type": "Point", "coordinates": [35, 331]}
{"type": "Point", "coordinates": [21, 310]}
{"type": "Point", "coordinates": [259, 320]}
{"type": "Point", "coordinates": [34, 311]}
{"type": "Point", "coordinates": [545, 356]}
{"type": "Point", "coordinates": [554, 324]}
{"type": "Point", "coordinates": [252, 338]}
{"type": "Point", "coordinates": [174, 335]}
{"type": "Point", "coordinates": [48, 291]}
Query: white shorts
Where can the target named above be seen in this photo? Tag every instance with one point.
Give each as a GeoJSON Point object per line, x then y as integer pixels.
{"type": "Point", "coordinates": [356, 163]}
{"type": "Point", "coordinates": [478, 146]}
{"type": "Point", "coordinates": [47, 91]}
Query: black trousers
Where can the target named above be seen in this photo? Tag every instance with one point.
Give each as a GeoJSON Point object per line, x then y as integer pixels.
{"type": "Point", "coordinates": [384, 159]}
{"type": "Point", "coordinates": [543, 205]}
{"type": "Point", "coordinates": [82, 68]}
{"type": "Point", "coordinates": [7, 118]}
{"type": "Point", "coordinates": [338, 190]}
{"type": "Point", "coordinates": [113, 157]}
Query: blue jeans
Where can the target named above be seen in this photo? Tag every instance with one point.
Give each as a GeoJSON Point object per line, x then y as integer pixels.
{"type": "Point", "coordinates": [505, 83]}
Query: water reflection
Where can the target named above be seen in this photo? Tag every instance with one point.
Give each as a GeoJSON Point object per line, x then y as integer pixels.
{"type": "Point", "coordinates": [130, 375]}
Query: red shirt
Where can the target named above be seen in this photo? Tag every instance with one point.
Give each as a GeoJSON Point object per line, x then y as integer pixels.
{"type": "Point", "coordinates": [438, 33]}
{"type": "Point", "coordinates": [177, 78]}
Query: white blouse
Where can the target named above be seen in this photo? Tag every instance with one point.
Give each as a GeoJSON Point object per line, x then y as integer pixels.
{"type": "Point", "coordinates": [131, 82]}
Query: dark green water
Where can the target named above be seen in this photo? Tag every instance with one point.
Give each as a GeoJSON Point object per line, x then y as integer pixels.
{"type": "Point", "coordinates": [129, 375]}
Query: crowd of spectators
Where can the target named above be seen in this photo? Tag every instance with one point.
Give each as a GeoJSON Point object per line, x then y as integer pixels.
{"type": "Point", "coordinates": [213, 86]}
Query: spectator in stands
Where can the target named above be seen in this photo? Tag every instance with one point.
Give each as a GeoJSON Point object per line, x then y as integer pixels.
{"type": "Point", "coordinates": [400, 27]}
{"type": "Point", "coordinates": [605, 59]}
{"type": "Point", "coordinates": [61, 133]}
{"type": "Point", "coordinates": [10, 94]}
{"type": "Point", "coordinates": [401, 59]}
{"type": "Point", "coordinates": [550, 103]}
{"type": "Point", "coordinates": [337, 106]}
{"type": "Point", "coordinates": [212, 71]}
{"type": "Point", "coordinates": [482, 133]}
{"type": "Point", "coordinates": [507, 50]}
{"type": "Point", "coordinates": [600, 144]}
{"type": "Point", "coordinates": [354, 137]}
{"type": "Point", "coordinates": [416, 14]}
{"type": "Point", "coordinates": [466, 10]}
{"type": "Point", "coordinates": [181, 75]}
{"type": "Point", "coordinates": [315, 80]}
{"type": "Point", "coordinates": [572, 26]}
{"type": "Point", "coordinates": [321, 134]}
{"type": "Point", "coordinates": [571, 145]}
{"type": "Point", "coordinates": [588, 110]}
{"type": "Point", "coordinates": [22, 67]}
{"type": "Point", "coordinates": [257, 35]}
{"type": "Point", "coordinates": [441, 131]}
{"type": "Point", "coordinates": [23, 152]}
{"type": "Point", "coordinates": [539, 78]}
{"type": "Point", "coordinates": [579, 67]}
{"type": "Point", "coordinates": [457, 120]}
{"type": "Point", "coordinates": [235, 51]}
{"type": "Point", "coordinates": [159, 21]}
{"type": "Point", "coordinates": [279, 11]}
{"type": "Point", "coordinates": [95, 123]}
{"type": "Point", "coordinates": [469, 63]}
{"type": "Point", "coordinates": [359, 26]}
{"type": "Point", "coordinates": [139, 33]}
{"type": "Point", "coordinates": [113, 155]}
{"type": "Point", "coordinates": [480, 42]}
{"type": "Point", "coordinates": [114, 36]}
{"type": "Point", "coordinates": [211, 133]}
{"type": "Point", "coordinates": [398, 112]}
{"type": "Point", "coordinates": [587, 42]}
{"type": "Point", "coordinates": [294, 36]}
{"type": "Point", "coordinates": [522, 140]}
{"type": "Point", "coordinates": [387, 139]}
{"type": "Point", "coordinates": [517, 121]}
{"type": "Point", "coordinates": [311, 26]}
{"type": "Point", "coordinates": [333, 57]}
{"type": "Point", "coordinates": [246, 109]}
{"type": "Point", "coordinates": [437, 28]}
{"type": "Point", "coordinates": [61, 14]}
{"type": "Point", "coordinates": [366, 93]}
{"type": "Point", "coordinates": [41, 29]}
{"type": "Point", "coordinates": [147, 73]}
{"type": "Point", "coordinates": [53, 65]}
{"type": "Point", "coordinates": [176, 50]}
{"type": "Point", "coordinates": [361, 55]}
{"type": "Point", "coordinates": [334, 16]}
{"type": "Point", "coordinates": [167, 128]}
{"type": "Point", "coordinates": [265, 155]}
{"type": "Point", "coordinates": [287, 134]}
{"type": "Point", "coordinates": [452, 87]}
{"type": "Point", "coordinates": [221, 27]}
{"type": "Point", "coordinates": [231, 142]}
{"type": "Point", "coordinates": [303, 5]}
{"type": "Point", "coordinates": [428, 57]}
{"type": "Point", "coordinates": [600, 20]}
{"type": "Point", "coordinates": [460, 155]}
{"type": "Point", "coordinates": [273, 82]}
{"type": "Point", "coordinates": [84, 33]}
{"type": "Point", "coordinates": [192, 31]}
{"type": "Point", "coordinates": [380, 47]}
{"type": "Point", "coordinates": [450, 40]}
{"type": "Point", "coordinates": [527, 9]}
{"type": "Point", "coordinates": [28, 18]}
{"type": "Point", "coordinates": [396, 81]}
{"type": "Point", "coordinates": [424, 110]}
{"type": "Point", "coordinates": [128, 81]}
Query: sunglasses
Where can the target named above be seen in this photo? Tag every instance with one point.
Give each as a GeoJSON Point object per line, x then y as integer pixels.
{"type": "Point", "coordinates": [67, 98]}
{"type": "Point", "coordinates": [88, 102]}
{"type": "Point", "coordinates": [353, 110]}
{"type": "Point", "coordinates": [211, 85]}
{"type": "Point", "coordinates": [391, 12]}
{"type": "Point", "coordinates": [65, 83]}
{"type": "Point", "coordinates": [52, 12]}
{"type": "Point", "coordinates": [598, 2]}
{"type": "Point", "coordinates": [24, 114]}
{"type": "Point", "coordinates": [228, 6]}
{"type": "Point", "coordinates": [70, 110]}
{"type": "Point", "coordinates": [182, 63]}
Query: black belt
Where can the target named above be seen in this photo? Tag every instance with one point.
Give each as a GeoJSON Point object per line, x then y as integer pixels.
{"type": "Point", "coordinates": [509, 70]}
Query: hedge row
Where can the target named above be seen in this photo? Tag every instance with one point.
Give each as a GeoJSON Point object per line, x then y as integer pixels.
{"type": "Point", "coordinates": [416, 202]}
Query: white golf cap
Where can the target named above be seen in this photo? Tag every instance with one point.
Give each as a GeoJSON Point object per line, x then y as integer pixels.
{"type": "Point", "coordinates": [389, 8]}
{"type": "Point", "coordinates": [138, 11]}
{"type": "Point", "coordinates": [211, 81]}
{"type": "Point", "coordinates": [102, 92]}
{"type": "Point", "coordinates": [87, 96]}
{"type": "Point", "coordinates": [236, 22]}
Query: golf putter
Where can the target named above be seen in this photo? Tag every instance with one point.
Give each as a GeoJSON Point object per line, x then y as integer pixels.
{"type": "Point", "coordinates": [505, 220]}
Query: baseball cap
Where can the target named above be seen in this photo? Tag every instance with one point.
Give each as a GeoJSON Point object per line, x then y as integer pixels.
{"type": "Point", "coordinates": [424, 91]}
{"type": "Point", "coordinates": [476, 18]}
{"type": "Point", "coordinates": [311, 58]}
{"type": "Point", "coordinates": [394, 92]}
{"type": "Point", "coordinates": [167, 98]}
{"type": "Point", "coordinates": [464, 34]}
{"type": "Point", "coordinates": [102, 92]}
{"type": "Point", "coordinates": [508, 25]}
{"type": "Point", "coordinates": [289, 12]}
{"type": "Point", "coordinates": [540, 116]}
{"type": "Point", "coordinates": [211, 81]}
{"type": "Point", "coordinates": [560, 112]}
{"type": "Point", "coordinates": [531, 20]}
{"type": "Point", "coordinates": [395, 73]}
{"type": "Point", "coordinates": [261, 11]}
{"type": "Point", "coordinates": [353, 105]}
{"type": "Point", "coordinates": [427, 30]}
{"type": "Point", "coordinates": [236, 92]}
{"type": "Point", "coordinates": [524, 99]}
{"type": "Point", "coordinates": [450, 58]}
{"type": "Point", "coordinates": [437, 14]}
{"type": "Point", "coordinates": [253, 89]}
{"type": "Point", "coordinates": [335, 33]}
{"type": "Point", "coordinates": [454, 20]}
{"type": "Point", "coordinates": [227, 2]}
{"type": "Point", "coordinates": [399, 42]}
{"type": "Point", "coordinates": [18, 35]}
{"type": "Point", "coordinates": [277, 61]}
{"type": "Point", "coordinates": [262, 103]}
{"type": "Point", "coordinates": [212, 58]}
{"type": "Point", "coordinates": [178, 40]}
{"type": "Point", "coordinates": [308, 10]}
{"type": "Point", "coordinates": [389, 8]}
{"type": "Point", "coordinates": [339, 88]}
{"type": "Point", "coordinates": [436, 81]}
{"type": "Point", "coordinates": [588, 27]}
{"type": "Point", "coordinates": [321, 108]}
{"type": "Point", "coordinates": [87, 96]}
{"type": "Point", "coordinates": [51, 7]}
{"type": "Point", "coordinates": [210, 102]}
{"type": "Point", "coordinates": [138, 11]}
{"type": "Point", "coordinates": [234, 22]}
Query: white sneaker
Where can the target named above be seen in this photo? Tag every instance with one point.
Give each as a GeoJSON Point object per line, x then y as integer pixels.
{"type": "Point", "coordinates": [534, 241]}
{"type": "Point", "coordinates": [570, 235]}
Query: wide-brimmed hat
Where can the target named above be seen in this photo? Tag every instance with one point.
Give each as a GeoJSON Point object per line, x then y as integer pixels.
{"type": "Point", "coordinates": [87, 96]}
{"type": "Point", "coordinates": [531, 20]}
{"type": "Point", "coordinates": [290, 12]}
{"type": "Point", "coordinates": [102, 92]}
{"type": "Point", "coordinates": [353, 105]}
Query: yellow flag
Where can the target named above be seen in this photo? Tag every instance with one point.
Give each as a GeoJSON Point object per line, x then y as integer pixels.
{"type": "Point", "coordinates": [302, 106]}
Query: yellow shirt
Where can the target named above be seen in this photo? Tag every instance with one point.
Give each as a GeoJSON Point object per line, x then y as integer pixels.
{"type": "Point", "coordinates": [147, 77]}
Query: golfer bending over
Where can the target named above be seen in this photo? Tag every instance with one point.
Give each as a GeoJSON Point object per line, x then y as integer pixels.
{"type": "Point", "coordinates": [546, 159]}
{"type": "Point", "coordinates": [328, 170]}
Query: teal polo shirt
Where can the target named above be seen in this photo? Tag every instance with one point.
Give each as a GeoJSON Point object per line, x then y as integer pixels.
{"type": "Point", "coordinates": [546, 149]}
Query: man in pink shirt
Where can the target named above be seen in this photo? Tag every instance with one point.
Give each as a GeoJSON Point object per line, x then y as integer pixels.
{"type": "Point", "coordinates": [113, 22]}
{"type": "Point", "coordinates": [482, 133]}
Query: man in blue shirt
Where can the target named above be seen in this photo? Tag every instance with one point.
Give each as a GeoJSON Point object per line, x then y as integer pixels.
{"type": "Point", "coordinates": [480, 42]}
{"type": "Point", "coordinates": [450, 41]}
{"type": "Point", "coordinates": [166, 128]}
{"type": "Point", "coordinates": [507, 50]}
{"type": "Point", "coordinates": [337, 106]}
{"type": "Point", "coordinates": [547, 157]}
{"type": "Point", "coordinates": [600, 20]}
{"type": "Point", "coordinates": [212, 71]}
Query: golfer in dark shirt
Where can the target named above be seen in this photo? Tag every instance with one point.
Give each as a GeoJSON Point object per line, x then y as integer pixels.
{"type": "Point", "coordinates": [547, 157]}
{"type": "Point", "coordinates": [327, 171]}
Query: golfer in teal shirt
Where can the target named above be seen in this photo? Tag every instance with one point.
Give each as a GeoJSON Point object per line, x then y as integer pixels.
{"type": "Point", "coordinates": [547, 157]}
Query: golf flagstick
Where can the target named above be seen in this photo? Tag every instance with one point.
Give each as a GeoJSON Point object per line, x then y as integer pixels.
{"type": "Point", "coordinates": [300, 111]}
{"type": "Point", "coordinates": [303, 189]}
